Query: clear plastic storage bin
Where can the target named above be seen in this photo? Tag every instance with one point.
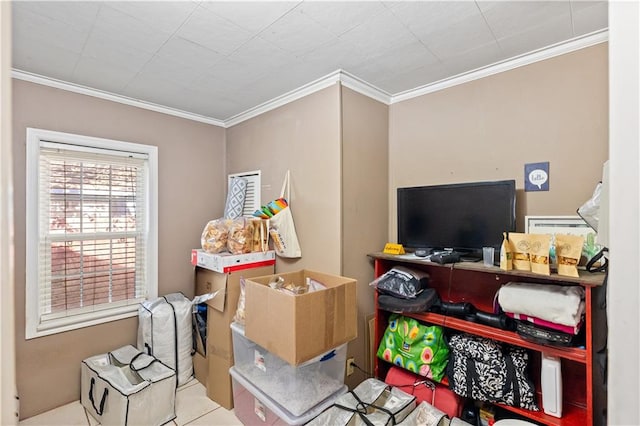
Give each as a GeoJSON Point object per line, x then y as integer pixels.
{"type": "Point", "coordinates": [297, 388]}
{"type": "Point", "coordinates": [253, 407]}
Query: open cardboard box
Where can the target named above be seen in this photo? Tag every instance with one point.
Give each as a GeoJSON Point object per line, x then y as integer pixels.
{"type": "Point", "coordinates": [220, 312]}
{"type": "Point", "coordinates": [298, 328]}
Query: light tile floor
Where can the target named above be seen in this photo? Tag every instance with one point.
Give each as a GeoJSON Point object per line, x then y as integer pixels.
{"type": "Point", "coordinates": [193, 407]}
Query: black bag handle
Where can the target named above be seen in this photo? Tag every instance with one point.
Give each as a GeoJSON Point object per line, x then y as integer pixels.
{"type": "Point", "coordinates": [600, 255]}
{"type": "Point", "coordinates": [361, 410]}
{"type": "Point", "coordinates": [133, 367]}
{"type": "Point", "coordinates": [512, 379]}
{"type": "Point", "coordinates": [102, 400]}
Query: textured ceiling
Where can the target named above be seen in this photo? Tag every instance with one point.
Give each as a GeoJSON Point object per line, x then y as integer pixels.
{"type": "Point", "coordinates": [219, 59]}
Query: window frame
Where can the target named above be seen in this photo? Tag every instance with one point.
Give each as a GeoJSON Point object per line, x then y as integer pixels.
{"type": "Point", "coordinates": [35, 327]}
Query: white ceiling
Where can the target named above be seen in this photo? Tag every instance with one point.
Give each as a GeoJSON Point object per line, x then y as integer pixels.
{"type": "Point", "coordinates": [220, 59]}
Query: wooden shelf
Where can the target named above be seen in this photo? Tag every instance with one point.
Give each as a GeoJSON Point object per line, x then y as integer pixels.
{"type": "Point", "coordinates": [477, 284]}
{"type": "Point", "coordinates": [574, 354]}
{"type": "Point", "coordinates": [572, 415]}
{"type": "Point", "coordinates": [585, 278]}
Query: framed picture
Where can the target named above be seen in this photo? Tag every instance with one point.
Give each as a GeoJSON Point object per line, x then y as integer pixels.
{"type": "Point", "coordinates": [572, 225]}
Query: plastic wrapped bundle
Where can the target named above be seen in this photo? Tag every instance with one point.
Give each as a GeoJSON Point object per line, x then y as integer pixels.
{"type": "Point", "coordinates": [215, 235]}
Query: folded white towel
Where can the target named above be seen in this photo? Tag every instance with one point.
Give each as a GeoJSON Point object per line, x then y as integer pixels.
{"type": "Point", "coordinates": [556, 303]}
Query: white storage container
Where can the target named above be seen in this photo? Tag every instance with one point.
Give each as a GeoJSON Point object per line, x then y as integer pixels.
{"type": "Point", "coordinates": [297, 388]}
{"type": "Point", "coordinates": [551, 384]}
{"type": "Point", "coordinates": [253, 407]}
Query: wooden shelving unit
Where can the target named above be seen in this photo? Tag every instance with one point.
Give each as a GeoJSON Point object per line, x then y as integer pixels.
{"type": "Point", "coordinates": [477, 284]}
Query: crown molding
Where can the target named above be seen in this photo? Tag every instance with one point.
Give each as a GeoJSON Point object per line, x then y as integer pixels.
{"type": "Point", "coordinates": [83, 90]}
{"type": "Point", "coordinates": [300, 92]}
{"type": "Point", "coordinates": [509, 64]}
{"type": "Point", "coordinates": [339, 76]}
{"type": "Point", "coordinates": [358, 85]}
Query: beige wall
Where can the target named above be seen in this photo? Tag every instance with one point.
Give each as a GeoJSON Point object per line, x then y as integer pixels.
{"type": "Point", "coordinates": [191, 191]}
{"type": "Point", "coordinates": [303, 136]}
{"type": "Point", "coordinates": [335, 143]}
{"type": "Point", "coordinates": [365, 135]}
{"type": "Point", "coordinates": [554, 110]}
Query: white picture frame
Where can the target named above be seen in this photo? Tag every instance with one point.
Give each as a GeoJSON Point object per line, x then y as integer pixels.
{"type": "Point", "coordinates": [572, 225]}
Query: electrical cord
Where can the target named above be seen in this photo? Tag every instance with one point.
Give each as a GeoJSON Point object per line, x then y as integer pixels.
{"type": "Point", "coordinates": [368, 374]}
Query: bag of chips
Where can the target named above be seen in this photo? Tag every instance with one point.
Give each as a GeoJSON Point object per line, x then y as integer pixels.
{"type": "Point", "coordinates": [520, 248]}
{"type": "Point", "coordinates": [215, 235]}
{"type": "Point", "coordinates": [539, 245]}
{"type": "Point", "coordinates": [568, 252]}
{"type": "Point", "coordinates": [240, 236]}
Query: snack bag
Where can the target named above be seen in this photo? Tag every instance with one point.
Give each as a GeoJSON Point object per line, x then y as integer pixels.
{"type": "Point", "coordinates": [539, 245]}
{"type": "Point", "coordinates": [240, 310]}
{"type": "Point", "coordinates": [214, 236]}
{"type": "Point", "coordinates": [240, 236]}
{"type": "Point", "coordinates": [520, 247]}
{"type": "Point", "coordinates": [260, 240]}
{"type": "Point", "coordinates": [506, 256]}
{"type": "Point", "coordinates": [568, 252]}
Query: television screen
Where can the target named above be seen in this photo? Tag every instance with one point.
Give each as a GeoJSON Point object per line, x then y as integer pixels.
{"type": "Point", "coordinates": [462, 217]}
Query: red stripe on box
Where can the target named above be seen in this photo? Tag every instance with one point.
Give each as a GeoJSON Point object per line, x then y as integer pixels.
{"type": "Point", "coordinates": [234, 268]}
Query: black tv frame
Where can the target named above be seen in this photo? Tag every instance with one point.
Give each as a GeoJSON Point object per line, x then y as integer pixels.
{"type": "Point", "coordinates": [476, 198]}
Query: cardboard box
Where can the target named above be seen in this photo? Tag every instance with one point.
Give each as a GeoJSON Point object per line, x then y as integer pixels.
{"type": "Point", "coordinates": [370, 342]}
{"type": "Point", "coordinates": [301, 327]}
{"type": "Point", "coordinates": [227, 262]}
{"type": "Point", "coordinates": [223, 306]}
{"type": "Point", "coordinates": [200, 368]}
{"type": "Point", "coordinates": [219, 383]}
{"type": "Point", "coordinates": [220, 312]}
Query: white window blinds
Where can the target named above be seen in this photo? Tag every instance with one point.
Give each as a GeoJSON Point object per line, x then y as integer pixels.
{"type": "Point", "coordinates": [92, 223]}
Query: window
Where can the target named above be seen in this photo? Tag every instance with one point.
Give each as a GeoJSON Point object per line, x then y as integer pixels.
{"type": "Point", "coordinates": [91, 230]}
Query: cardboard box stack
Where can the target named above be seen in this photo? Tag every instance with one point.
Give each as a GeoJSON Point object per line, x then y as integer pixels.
{"type": "Point", "coordinates": [290, 356]}
{"type": "Point", "coordinates": [222, 272]}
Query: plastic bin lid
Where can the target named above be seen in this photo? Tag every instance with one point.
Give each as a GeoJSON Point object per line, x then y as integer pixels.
{"type": "Point", "coordinates": [239, 329]}
{"type": "Point", "coordinates": [280, 411]}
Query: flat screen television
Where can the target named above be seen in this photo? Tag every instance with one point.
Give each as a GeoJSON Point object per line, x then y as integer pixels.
{"type": "Point", "coordinates": [462, 217]}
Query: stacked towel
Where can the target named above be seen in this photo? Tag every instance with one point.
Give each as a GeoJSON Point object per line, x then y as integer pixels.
{"type": "Point", "coordinates": [557, 304]}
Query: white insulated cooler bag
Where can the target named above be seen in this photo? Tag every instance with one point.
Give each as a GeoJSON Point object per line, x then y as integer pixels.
{"type": "Point", "coordinates": [165, 331]}
{"type": "Point", "coordinates": [128, 387]}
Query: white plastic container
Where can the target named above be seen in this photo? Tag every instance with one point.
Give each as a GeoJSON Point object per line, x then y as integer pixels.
{"type": "Point", "coordinates": [551, 382]}
{"type": "Point", "coordinates": [252, 407]}
{"type": "Point", "coordinates": [297, 388]}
